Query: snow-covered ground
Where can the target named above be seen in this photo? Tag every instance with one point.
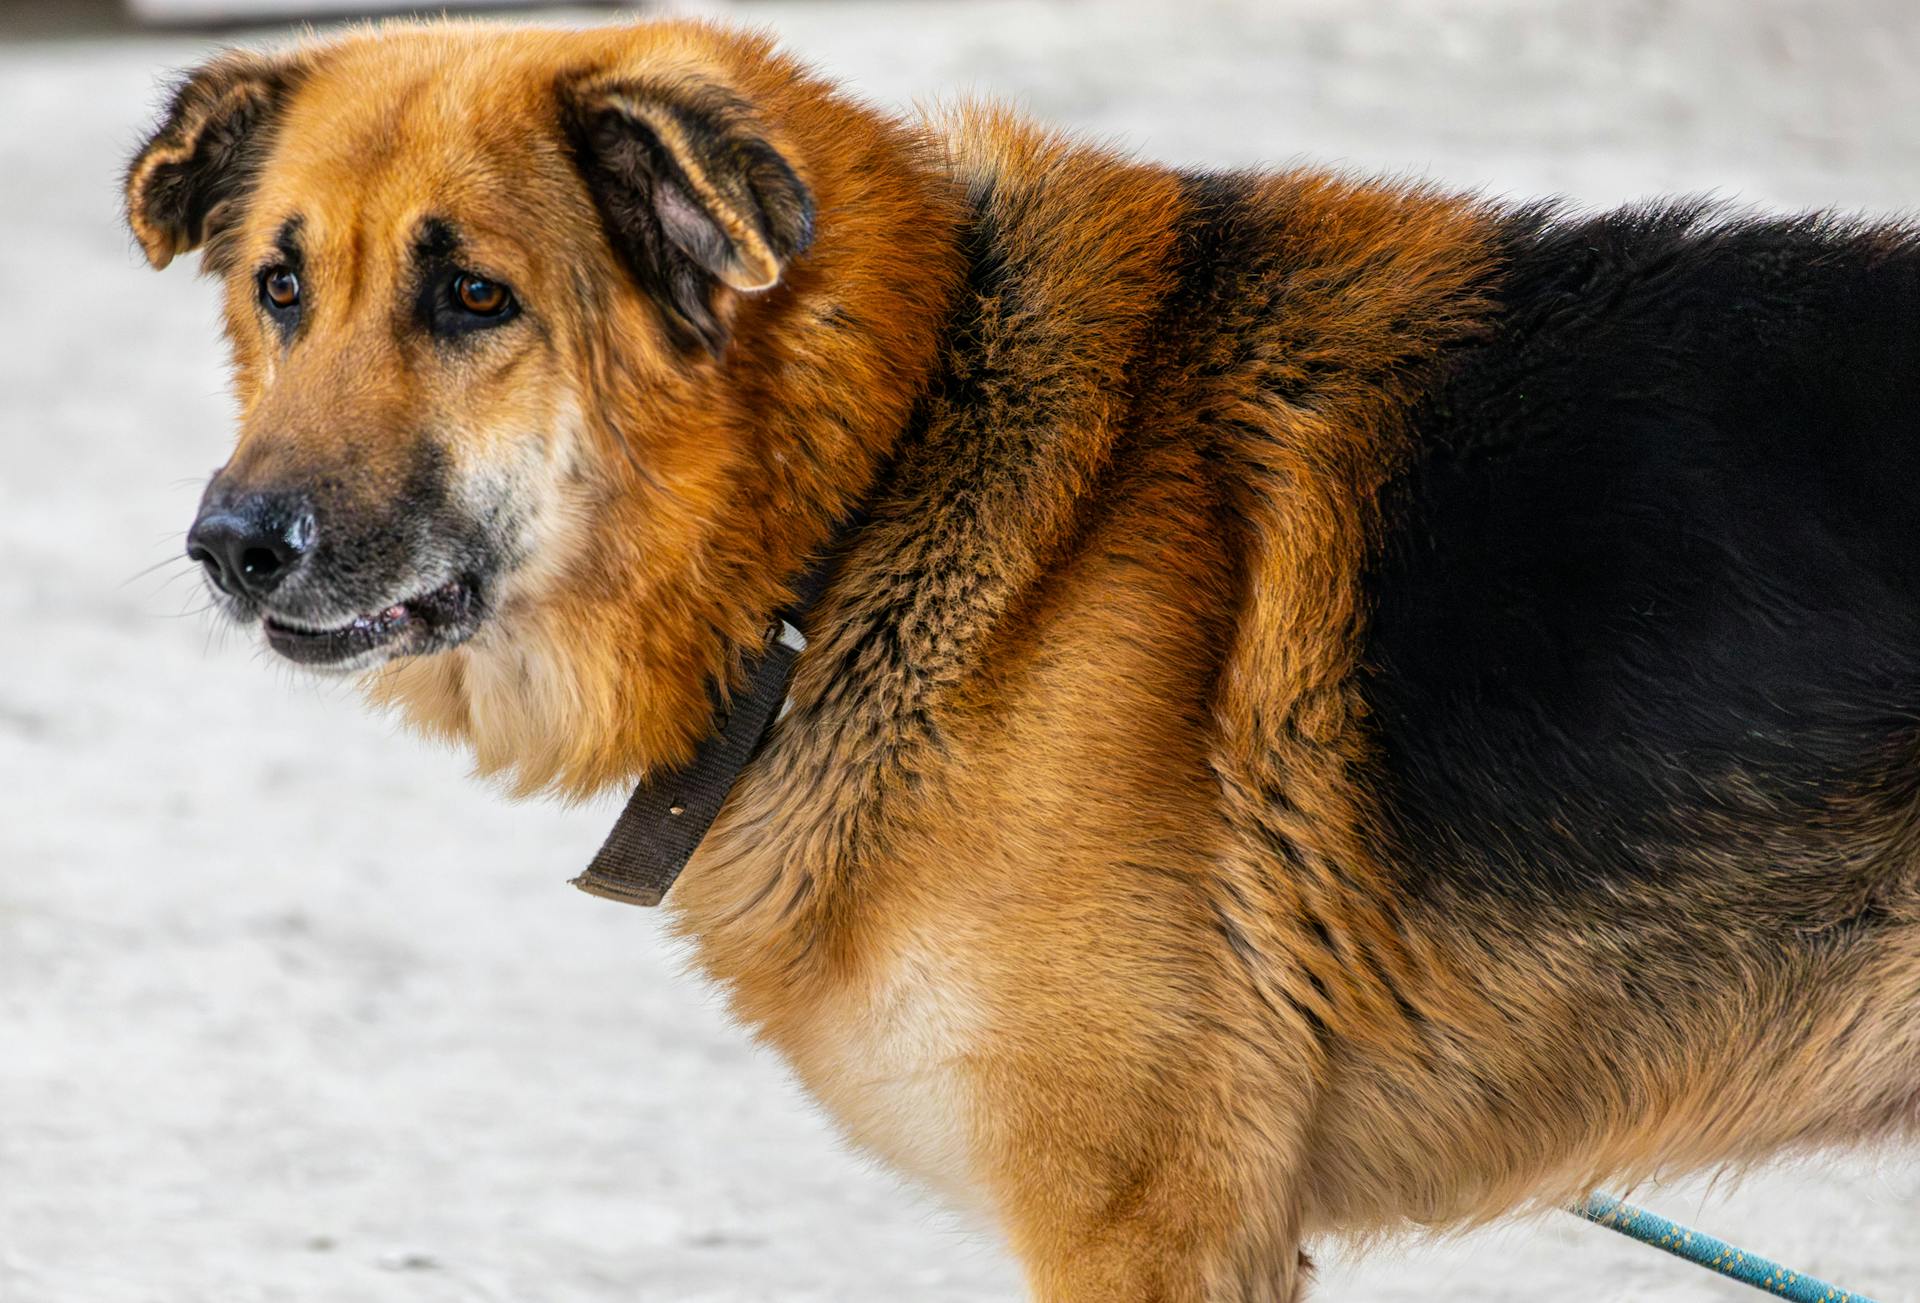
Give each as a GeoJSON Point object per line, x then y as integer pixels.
{"type": "Point", "coordinates": [289, 1009]}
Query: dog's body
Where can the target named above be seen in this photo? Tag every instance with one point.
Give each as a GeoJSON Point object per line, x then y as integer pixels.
{"type": "Point", "coordinates": [1346, 703]}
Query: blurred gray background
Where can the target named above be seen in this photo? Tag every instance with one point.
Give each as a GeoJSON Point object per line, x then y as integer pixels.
{"type": "Point", "coordinates": [290, 1009]}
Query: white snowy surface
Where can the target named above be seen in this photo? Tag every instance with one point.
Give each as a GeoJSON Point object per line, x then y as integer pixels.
{"type": "Point", "coordinates": [201, 12]}
{"type": "Point", "coordinates": [292, 1010]}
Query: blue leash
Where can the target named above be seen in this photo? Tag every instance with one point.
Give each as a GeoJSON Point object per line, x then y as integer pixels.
{"type": "Point", "coordinates": [1714, 1255]}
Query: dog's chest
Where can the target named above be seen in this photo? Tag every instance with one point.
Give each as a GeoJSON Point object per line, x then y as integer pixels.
{"type": "Point", "coordinates": [889, 1059]}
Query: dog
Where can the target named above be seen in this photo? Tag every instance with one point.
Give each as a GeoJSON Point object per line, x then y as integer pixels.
{"type": "Point", "coordinates": [1328, 706]}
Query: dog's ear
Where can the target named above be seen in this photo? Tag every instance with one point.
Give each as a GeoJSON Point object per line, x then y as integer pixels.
{"type": "Point", "coordinates": [690, 192]}
{"type": "Point", "coordinates": [186, 184]}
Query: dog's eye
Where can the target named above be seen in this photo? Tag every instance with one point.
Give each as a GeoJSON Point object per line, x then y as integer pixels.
{"type": "Point", "coordinates": [481, 297]}
{"type": "Point", "coordinates": [279, 287]}
{"type": "Point", "coordinates": [454, 303]}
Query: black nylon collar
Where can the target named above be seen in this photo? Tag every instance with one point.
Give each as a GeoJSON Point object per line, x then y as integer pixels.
{"type": "Point", "coordinates": [669, 813]}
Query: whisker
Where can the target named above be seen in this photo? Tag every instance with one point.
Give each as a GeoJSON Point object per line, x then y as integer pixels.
{"type": "Point", "coordinates": [144, 571]}
{"type": "Point", "coordinates": [173, 579]}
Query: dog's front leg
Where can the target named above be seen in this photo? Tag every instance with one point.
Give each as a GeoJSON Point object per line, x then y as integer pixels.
{"type": "Point", "coordinates": [1140, 1257]}
{"type": "Point", "coordinates": [1120, 1214]}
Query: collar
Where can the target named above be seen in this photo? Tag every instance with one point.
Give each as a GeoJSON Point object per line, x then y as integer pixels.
{"type": "Point", "coordinates": [669, 813]}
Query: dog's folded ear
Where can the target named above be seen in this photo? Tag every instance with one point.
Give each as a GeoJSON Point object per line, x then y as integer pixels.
{"type": "Point", "coordinates": [690, 191]}
{"type": "Point", "coordinates": [185, 185]}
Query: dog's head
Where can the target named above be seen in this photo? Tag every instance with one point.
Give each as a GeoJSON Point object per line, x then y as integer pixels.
{"type": "Point", "coordinates": [503, 307]}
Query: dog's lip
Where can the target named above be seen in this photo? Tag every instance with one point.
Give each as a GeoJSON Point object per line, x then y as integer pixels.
{"type": "Point", "coordinates": [414, 620]}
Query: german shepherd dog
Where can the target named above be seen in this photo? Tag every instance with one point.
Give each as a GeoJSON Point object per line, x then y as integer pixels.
{"type": "Point", "coordinates": [1334, 705]}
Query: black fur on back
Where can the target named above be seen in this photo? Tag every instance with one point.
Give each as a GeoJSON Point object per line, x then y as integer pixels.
{"type": "Point", "coordinates": [1651, 580]}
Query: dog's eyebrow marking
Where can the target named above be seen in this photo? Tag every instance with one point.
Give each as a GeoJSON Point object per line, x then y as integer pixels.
{"type": "Point", "coordinates": [437, 241]}
{"type": "Point", "coordinates": [286, 241]}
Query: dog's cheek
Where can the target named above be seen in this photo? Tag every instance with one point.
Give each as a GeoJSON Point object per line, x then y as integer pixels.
{"type": "Point", "coordinates": [526, 493]}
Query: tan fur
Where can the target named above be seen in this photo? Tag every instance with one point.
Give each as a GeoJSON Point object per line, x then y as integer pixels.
{"type": "Point", "coordinates": [1142, 994]}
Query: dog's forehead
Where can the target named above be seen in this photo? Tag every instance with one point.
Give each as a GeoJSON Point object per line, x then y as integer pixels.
{"type": "Point", "coordinates": [414, 122]}
{"type": "Point", "coordinates": [459, 122]}
{"type": "Point", "coordinates": [464, 92]}
{"type": "Point", "coordinates": [464, 117]}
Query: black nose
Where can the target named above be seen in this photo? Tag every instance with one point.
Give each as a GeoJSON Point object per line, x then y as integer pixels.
{"type": "Point", "coordinates": [251, 544]}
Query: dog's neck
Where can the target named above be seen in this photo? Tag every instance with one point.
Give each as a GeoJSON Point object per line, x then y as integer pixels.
{"type": "Point", "coordinates": [732, 470]}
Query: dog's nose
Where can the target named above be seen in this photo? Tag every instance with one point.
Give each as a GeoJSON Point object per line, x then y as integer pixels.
{"type": "Point", "coordinates": [250, 546]}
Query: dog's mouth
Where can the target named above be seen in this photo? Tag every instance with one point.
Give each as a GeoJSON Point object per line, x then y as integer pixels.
{"type": "Point", "coordinates": [431, 621]}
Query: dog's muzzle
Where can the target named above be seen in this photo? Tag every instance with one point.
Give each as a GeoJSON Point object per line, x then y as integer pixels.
{"type": "Point", "coordinates": [330, 602]}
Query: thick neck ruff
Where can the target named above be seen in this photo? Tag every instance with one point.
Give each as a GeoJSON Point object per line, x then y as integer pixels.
{"type": "Point", "coordinates": [669, 813]}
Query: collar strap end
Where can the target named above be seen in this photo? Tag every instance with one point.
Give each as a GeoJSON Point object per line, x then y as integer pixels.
{"type": "Point", "coordinates": [607, 889]}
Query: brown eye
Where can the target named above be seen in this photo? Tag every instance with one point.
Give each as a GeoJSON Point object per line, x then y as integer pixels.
{"type": "Point", "coordinates": [481, 297]}
{"type": "Point", "coordinates": [280, 287]}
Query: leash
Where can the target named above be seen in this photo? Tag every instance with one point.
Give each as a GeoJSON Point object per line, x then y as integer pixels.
{"type": "Point", "coordinates": [1706, 1251]}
